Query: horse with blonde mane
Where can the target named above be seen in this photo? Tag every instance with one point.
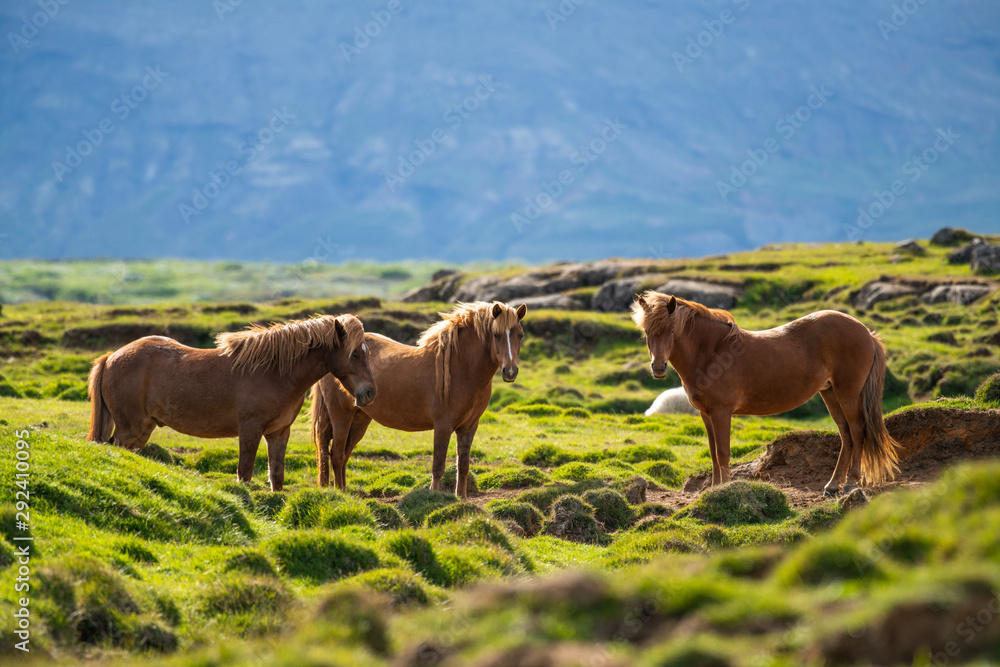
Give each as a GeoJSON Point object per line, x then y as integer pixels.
{"type": "Point", "coordinates": [726, 370]}
{"type": "Point", "coordinates": [252, 384]}
{"type": "Point", "coordinates": [443, 383]}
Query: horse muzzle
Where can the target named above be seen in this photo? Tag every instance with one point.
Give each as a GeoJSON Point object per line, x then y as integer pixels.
{"type": "Point", "coordinates": [659, 371]}
{"type": "Point", "coordinates": [364, 397]}
{"type": "Point", "coordinates": [509, 374]}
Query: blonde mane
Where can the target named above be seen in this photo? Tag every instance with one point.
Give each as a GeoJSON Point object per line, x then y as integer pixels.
{"type": "Point", "coordinates": [654, 320]}
{"type": "Point", "coordinates": [443, 336]}
{"type": "Point", "coordinates": [281, 345]}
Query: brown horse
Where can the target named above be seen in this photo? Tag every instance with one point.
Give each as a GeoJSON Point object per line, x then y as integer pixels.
{"type": "Point", "coordinates": [726, 370]}
{"type": "Point", "coordinates": [444, 384]}
{"type": "Point", "coordinates": [252, 384]}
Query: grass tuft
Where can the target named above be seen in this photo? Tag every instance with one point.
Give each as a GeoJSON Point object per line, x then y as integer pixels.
{"type": "Point", "coordinates": [741, 502]}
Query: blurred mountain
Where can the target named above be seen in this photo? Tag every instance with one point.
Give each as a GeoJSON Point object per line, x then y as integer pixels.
{"type": "Point", "coordinates": [524, 129]}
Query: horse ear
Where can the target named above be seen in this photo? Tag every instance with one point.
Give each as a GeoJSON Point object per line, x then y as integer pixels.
{"type": "Point", "coordinates": [338, 326]}
{"type": "Point", "coordinates": [643, 303]}
{"type": "Point", "coordinates": [672, 305]}
{"type": "Point", "coordinates": [521, 310]}
{"type": "Point", "coordinates": [497, 309]}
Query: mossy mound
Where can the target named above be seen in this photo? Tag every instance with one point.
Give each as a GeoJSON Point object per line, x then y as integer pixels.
{"type": "Point", "coordinates": [512, 477]}
{"type": "Point", "coordinates": [741, 502]}
{"type": "Point", "coordinates": [416, 505]}
{"type": "Point", "coordinates": [523, 514]}
{"type": "Point", "coordinates": [573, 520]}
{"type": "Point", "coordinates": [610, 508]}
{"type": "Point", "coordinates": [452, 512]}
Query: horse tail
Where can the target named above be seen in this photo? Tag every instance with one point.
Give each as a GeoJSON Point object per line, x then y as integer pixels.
{"type": "Point", "coordinates": [321, 430]}
{"type": "Point", "coordinates": [879, 451]}
{"type": "Point", "coordinates": [101, 423]}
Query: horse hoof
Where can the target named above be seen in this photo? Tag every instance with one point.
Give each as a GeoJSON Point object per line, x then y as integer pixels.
{"type": "Point", "coordinates": [831, 492]}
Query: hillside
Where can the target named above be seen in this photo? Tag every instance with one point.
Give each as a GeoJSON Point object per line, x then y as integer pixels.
{"type": "Point", "coordinates": [587, 532]}
{"type": "Point", "coordinates": [323, 128]}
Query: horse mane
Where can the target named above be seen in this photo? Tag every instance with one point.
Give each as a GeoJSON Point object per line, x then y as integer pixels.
{"type": "Point", "coordinates": [442, 337]}
{"type": "Point", "coordinates": [654, 320]}
{"type": "Point", "coordinates": [281, 345]}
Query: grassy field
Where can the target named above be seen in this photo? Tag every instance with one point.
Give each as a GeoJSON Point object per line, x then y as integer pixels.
{"type": "Point", "coordinates": [163, 556]}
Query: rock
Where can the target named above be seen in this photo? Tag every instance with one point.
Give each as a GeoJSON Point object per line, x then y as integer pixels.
{"type": "Point", "coordinates": [494, 288]}
{"type": "Point", "coordinates": [551, 302]}
{"type": "Point", "coordinates": [442, 273]}
{"type": "Point", "coordinates": [616, 296]}
{"type": "Point", "coordinates": [877, 291]}
{"type": "Point", "coordinates": [910, 247]}
{"type": "Point", "coordinates": [713, 295]}
{"type": "Point", "coordinates": [964, 254]}
{"type": "Point", "coordinates": [986, 258]}
{"type": "Point", "coordinates": [950, 236]}
{"type": "Point", "coordinates": [960, 293]}
{"type": "Point", "coordinates": [442, 289]}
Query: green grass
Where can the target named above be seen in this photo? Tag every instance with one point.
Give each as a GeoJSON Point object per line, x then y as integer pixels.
{"type": "Point", "coordinates": [163, 550]}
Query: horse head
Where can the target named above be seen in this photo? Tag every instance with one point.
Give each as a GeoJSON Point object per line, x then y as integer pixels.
{"type": "Point", "coordinates": [349, 361]}
{"type": "Point", "coordinates": [656, 321]}
{"type": "Point", "coordinates": [507, 335]}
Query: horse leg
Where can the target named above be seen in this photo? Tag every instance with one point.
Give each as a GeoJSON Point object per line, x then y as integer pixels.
{"type": "Point", "coordinates": [464, 438]}
{"type": "Point", "coordinates": [442, 436]}
{"type": "Point", "coordinates": [359, 426]}
{"type": "Point", "coordinates": [721, 424]}
{"type": "Point", "coordinates": [277, 443]}
{"type": "Point", "coordinates": [852, 413]}
{"type": "Point", "coordinates": [249, 442]}
{"type": "Point", "coordinates": [133, 436]}
{"type": "Point", "coordinates": [716, 473]}
{"type": "Point", "coordinates": [323, 439]}
{"type": "Point", "coordinates": [832, 487]}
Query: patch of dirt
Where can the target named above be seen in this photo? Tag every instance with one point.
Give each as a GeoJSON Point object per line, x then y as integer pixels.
{"type": "Point", "coordinates": [801, 462]}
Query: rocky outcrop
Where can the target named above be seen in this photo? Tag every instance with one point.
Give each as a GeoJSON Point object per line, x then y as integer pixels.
{"type": "Point", "coordinates": [551, 302]}
{"type": "Point", "coordinates": [964, 254]}
{"type": "Point", "coordinates": [886, 288]}
{"type": "Point", "coordinates": [713, 295]}
{"type": "Point", "coordinates": [960, 293]}
{"type": "Point", "coordinates": [985, 259]}
{"type": "Point", "coordinates": [877, 291]}
{"type": "Point", "coordinates": [950, 236]}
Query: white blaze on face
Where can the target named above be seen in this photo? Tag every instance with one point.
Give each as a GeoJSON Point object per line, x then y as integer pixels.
{"type": "Point", "coordinates": [510, 350]}
{"type": "Point", "coordinates": [364, 348]}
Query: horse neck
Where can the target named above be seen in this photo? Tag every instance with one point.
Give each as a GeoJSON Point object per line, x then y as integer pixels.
{"type": "Point", "coordinates": [694, 349]}
{"type": "Point", "coordinates": [309, 369]}
{"type": "Point", "coordinates": [474, 358]}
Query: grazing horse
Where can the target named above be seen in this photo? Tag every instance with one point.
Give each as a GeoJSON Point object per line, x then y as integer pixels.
{"type": "Point", "coordinates": [726, 370]}
{"type": "Point", "coordinates": [444, 383]}
{"type": "Point", "coordinates": [252, 384]}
